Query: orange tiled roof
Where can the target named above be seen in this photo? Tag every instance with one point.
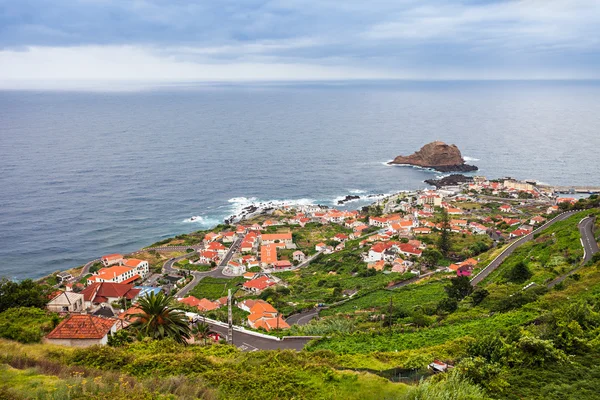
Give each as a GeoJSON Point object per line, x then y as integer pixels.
{"type": "Point", "coordinates": [132, 262]}
{"type": "Point", "coordinates": [82, 327]}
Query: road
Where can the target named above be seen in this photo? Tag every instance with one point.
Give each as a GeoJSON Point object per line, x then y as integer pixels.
{"type": "Point", "coordinates": [86, 268]}
{"type": "Point", "coordinates": [303, 318]}
{"type": "Point", "coordinates": [484, 273]}
{"type": "Point", "coordinates": [411, 280]}
{"type": "Point", "coordinates": [197, 275]}
{"type": "Point", "coordinates": [590, 247]}
{"type": "Point", "coordinates": [248, 342]}
{"type": "Point", "coordinates": [588, 240]}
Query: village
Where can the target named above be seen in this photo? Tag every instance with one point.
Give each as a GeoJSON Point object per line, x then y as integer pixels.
{"type": "Point", "coordinates": [296, 258]}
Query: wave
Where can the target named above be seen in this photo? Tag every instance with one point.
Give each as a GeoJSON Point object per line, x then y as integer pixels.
{"type": "Point", "coordinates": [204, 221]}
{"type": "Point", "coordinates": [466, 158]}
{"type": "Point", "coordinates": [357, 191]}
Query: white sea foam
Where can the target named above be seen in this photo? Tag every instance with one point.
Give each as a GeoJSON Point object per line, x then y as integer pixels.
{"type": "Point", "coordinates": [200, 220]}
{"type": "Point", "coordinates": [466, 158]}
{"type": "Point", "coordinates": [357, 191]}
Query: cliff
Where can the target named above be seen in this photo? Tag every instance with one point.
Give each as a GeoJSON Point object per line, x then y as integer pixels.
{"type": "Point", "coordinates": [436, 155]}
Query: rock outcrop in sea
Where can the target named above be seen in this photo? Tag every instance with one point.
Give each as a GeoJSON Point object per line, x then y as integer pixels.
{"type": "Point", "coordinates": [436, 155]}
{"type": "Point", "coordinates": [451, 180]}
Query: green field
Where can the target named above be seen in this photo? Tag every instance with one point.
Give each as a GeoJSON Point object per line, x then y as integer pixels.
{"type": "Point", "coordinates": [214, 288]}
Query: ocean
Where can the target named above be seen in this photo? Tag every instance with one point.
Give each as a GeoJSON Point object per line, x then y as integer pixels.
{"type": "Point", "coordinates": [83, 174]}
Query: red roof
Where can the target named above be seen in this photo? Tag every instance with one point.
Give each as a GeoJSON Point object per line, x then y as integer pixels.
{"type": "Point", "coordinates": [82, 327]}
{"type": "Point", "coordinates": [98, 292]}
{"type": "Point", "coordinates": [259, 283]}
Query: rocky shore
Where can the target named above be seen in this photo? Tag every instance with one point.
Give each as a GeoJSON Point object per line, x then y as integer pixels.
{"type": "Point", "coordinates": [450, 180]}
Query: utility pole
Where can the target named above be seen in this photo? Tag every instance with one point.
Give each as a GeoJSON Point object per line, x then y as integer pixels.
{"type": "Point", "coordinates": [230, 318]}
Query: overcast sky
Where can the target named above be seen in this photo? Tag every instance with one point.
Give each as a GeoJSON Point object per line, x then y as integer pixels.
{"type": "Point", "coordinates": [185, 40]}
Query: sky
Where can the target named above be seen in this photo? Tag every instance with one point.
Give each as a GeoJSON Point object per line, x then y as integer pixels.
{"type": "Point", "coordinates": [56, 41]}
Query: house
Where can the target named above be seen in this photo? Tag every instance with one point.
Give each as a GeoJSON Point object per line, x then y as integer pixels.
{"type": "Point", "coordinates": [430, 199]}
{"type": "Point", "coordinates": [454, 211]}
{"type": "Point", "coordinates": [463, 268]}
{"type": "Point", "coordinates": [236, 268]}
{"type": "Point", "coordinates": [268, 253]}
{"type": "Point", "coordinates": [477, 228]}
{"type": "Point", "coordinates": [409, 250]}
{"type": "Point", "coordinates": [66, 302]}
{"type": "Point", "coordinates": [218, 247]}
{"type": "Point", "coordinates": [340, 246]}
{"type": "Point", "coordinates": [257, 285]}
{"type": "Point", "coordinates": [211, 237]}
{"type": "Point", "coordinates": [417, 243]}
{"type": "Point", "coordinates": [340, 237]}
{"type": "Point", "coordinates": [201, 304]}
{"type": "Point", "coordinates": [505, 208]}
{"type": "Point", "coordinates": [376, 252]}
{"type": "Point", "coordinates": [459, 222]}
{"type": "Point", "coordinates": [511, 221]}
{"type": "Point", "coordinates": [228, 237]}
{"type": "Point", "coordinates": [64, 276]}
{"type": "Point", "coordinates": [537, 220]}
{"type": "Point", "coordinates": [282, 264]}
{"type": "Point", "coordinates": [377, 265]}
{"type": "Point", "coordinates": [320, 246]}
{"type": "Point", "coordinates": [207, 256]}
{"type": "Point", "coordinates": [107, 292]}
{"type": "Point", "coordinates": [82, 331]}
{"type": "Point", "coordinates": [250, 275]}
{"type": "Point", "coordinates": [277, 238]}
{"type": "Point", "coordinates": [265, 316]}
{"type": "Point", "coordinates": [111, 259]}
{"type": "Point", "coordinates": [570, 200]}
{"type": "Point", "coordinates": [247, 246]}
{"type": "Point", "coordinates": [379, 222]}
{"type": "Point", "coordinates": [140, 267]}
{"type": "Point", "coordinates": [518, 233]}
{"type": "Point", "coordinates": [552, 210]}
{"type": "Point", "coordinates": [116, 274]}
{"type": "Point", "coordinates": [298, 256]}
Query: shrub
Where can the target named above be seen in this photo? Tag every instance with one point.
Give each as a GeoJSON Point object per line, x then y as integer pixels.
{"type": "Point", "coordinates": [26, 324]}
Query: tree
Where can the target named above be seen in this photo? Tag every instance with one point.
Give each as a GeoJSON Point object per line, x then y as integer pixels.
{"type": "Point", "coordinates": [26, 293]}
{"type": "Point", "coordinates": [459, 288]}
{"type": "Point", "coordinates": [431, 257]}
{"type": "Point", "coordinates": [201, 330]}
{"type": "Point", "coordinates": [444, 243]}
{"type": "Point", "coordinates": [479, 295]}
{"type": "Point", "coordinates": [158, 319]}
{"type": "Point", "coordinates": [519, 273]}
{"type": "Point", "coordinates": [447, 305]}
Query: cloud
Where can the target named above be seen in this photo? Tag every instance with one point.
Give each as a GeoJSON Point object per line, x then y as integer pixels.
{"type": "Point", "coordinates": [158, 40]}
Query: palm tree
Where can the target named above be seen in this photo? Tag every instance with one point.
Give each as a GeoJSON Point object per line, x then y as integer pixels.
{"type": "Point", "coordinates": [158, 319]}
{"type": "Point", "coordinates": [202, 330]}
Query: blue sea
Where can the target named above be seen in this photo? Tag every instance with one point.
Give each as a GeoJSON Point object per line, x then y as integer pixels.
{"type": "Point", "coordinates": [88, 173]}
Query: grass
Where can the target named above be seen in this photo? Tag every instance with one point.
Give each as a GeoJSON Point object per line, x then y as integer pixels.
{"type": "Point", "coordinates": [553, 252]}
{"type": "Point", "coordinates": [408, 297]}
{"type": "Point", "coordinates": [214, 288]}
{"type": "Point", "coordinates": [384, 340]}
{"type": "Point", "coordinates": [211, 372]}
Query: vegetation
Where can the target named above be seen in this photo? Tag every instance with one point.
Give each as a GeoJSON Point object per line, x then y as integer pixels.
{"type": "Point", "coordinates": [214, 288]}
{"type": "Point", "coordinates": [158, 319]}
{"type": "Point", "coordinates": [26, 293]}
{"type": "Point", "coordinates": [26, 324]}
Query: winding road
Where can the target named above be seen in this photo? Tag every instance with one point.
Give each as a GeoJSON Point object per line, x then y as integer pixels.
{"type": "Point", "coordinates": [590, 247]}
{"type": "Point", "coordinates": [496, 262]}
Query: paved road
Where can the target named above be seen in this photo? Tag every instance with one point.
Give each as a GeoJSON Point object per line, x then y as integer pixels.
{"type": "Point", "coordinates": [588, 240]}
{"type": "Point", "coordinates": [217, 272]}
{"type": "Point", "coordinates": [234, 247]}
{"type": "Point", "coordinates": [86, 269]}
{"type": "Point", "coordinates": [303, 318]}
{"type": "Point", "coordinates": [248, 342]}
{"type": "Point", "coordinates": [411, 280]}
{"type": "Point", "coordinates": [590, 247]}
{"type": "Point", "coordinates": [484, 273]}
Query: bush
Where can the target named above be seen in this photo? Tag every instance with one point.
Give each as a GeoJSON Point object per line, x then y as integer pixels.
{"type": "Point", "coordinates": [519, 273]}
{"type": "Point", "coordinates": [26, 324]}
